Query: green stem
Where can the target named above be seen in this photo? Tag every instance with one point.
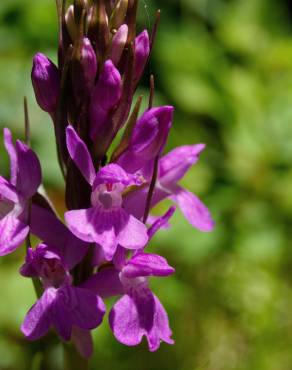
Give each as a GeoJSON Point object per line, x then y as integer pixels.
{"type": "Point", "coordinates": [72, 359]}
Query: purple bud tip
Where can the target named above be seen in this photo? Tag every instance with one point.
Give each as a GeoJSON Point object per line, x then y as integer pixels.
{"type": "Point", "coordinates": [142, 51]}
{"type": "Point", "coordinates": [118, 43]}
{"type": "Point", "coordinates": [108, 88]}
{"type": "Point", "coordinates": [46, 82]}
{"type": "Point", "coordinates": [89, 62]}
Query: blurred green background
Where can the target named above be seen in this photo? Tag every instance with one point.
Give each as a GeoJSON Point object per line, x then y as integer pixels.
{"type": "Point", "coordinates": [226, 65]}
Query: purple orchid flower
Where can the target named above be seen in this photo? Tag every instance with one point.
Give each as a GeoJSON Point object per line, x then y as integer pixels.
{"type": "Point", "coordinates": [138, 312]}
{"type": "Point", "coordinates": [62, 305]}
{"type": "Point", "coordinates": [106, 222]}
{"type": "Point", "coordinates": [172, 168]}
{"type": "Point", "coordinates": [14, 194]}
{"type": "Point", "coordinates": [147, 139]}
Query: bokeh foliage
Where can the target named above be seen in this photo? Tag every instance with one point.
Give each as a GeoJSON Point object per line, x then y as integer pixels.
{"type": "Point", "coordinates": [226, 65]}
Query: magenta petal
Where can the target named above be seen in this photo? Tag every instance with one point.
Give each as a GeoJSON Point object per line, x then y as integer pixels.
{"type": "Point", "coordinates": [174, 165]}
{"type": "Point", "coordinates": [106, 283]}
{"type": "Point", "coordinates": [147, 264]}
{"type": "Point", "coordinates": [81, 223]}
{"type": "Point", "coordinates": [89, 310]}
{"type": "Point", "coordinates": [80, 155]}
{"type": "Point", "coordinates": [124, 321]}
{"type": "Point", "coordinates": [8, 142]}
{"type": "Point", "coordinates": [160, 330]}
{"type": "Point", "coordinates": [78, 307]}
{"type": "Point", "coordinates": [107, 228]}
{"type": "Point", "coordinates": [133, 233]}
{"type": "Point", "coordinates": [193, 209]}
{"type": "Point", "coordinates": [37, 321]}
{"type": "Point", "coordinates": [137, 314]}
{"type": "Point", "coordinates": [29, 170]}
{"type": "Point", "coordinates": [12, 233]}
{"type": "Point", "coordinates": [148, 138]}
{"type": "Point", "coordinates": [94, 226]}
{"type": "Point", "coordinates": [8, 191]}
{"type": "Point", "coordinates": [161, 222]}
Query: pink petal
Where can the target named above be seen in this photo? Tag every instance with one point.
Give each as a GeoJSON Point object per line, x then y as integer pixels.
{"type": "Point", "coordinates": [37, 321]}
{"type": "Point", "coordinates": [148, 138]}
{"type": "Point", "coordinates": [147, 264]}
{"type": "Point", "coordinates": [8, 191]}
{"type": "Point", "coordinates": [12, 233]}
{"type": "Point", "coordinates": [160, 330]}
{"type": "Point", "coordinates": [193, 209]}
{"type": "Point", "coordinates": [80, 155]}
{"type": "Point", "coordinates": [107, 228]}
{"type": "Point", "coordinates": [133, 233]}
{"type": "Point", "coordinates": [79, 307]}
{"type": "Point", "coordinates": [29, 170]}
{"type": "Point", "coordinates": [137, 314]}
{"type": "Point", "coordinates": [174, 165]}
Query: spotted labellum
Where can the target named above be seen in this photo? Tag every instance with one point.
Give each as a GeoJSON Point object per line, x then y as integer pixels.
{"type": "Point", "coordinates": [115, 171]}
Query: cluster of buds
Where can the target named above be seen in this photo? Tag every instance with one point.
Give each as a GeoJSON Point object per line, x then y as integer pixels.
{"type": "Point", "coordinates": [100, 251]}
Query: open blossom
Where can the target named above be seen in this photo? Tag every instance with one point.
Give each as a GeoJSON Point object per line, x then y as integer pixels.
{"type": "Point", "coordinates": [61, 305]}
{"type": "Point", "coordinates": [147, 139]}
{"type": "Point", "coordinates": [172, 168]}
{"type": "Point", "coordinates": [138, 312]}
{"type": "Point", "coordinates": [15, 194]}
{"type": "Point", "coordinates": [105, 222]}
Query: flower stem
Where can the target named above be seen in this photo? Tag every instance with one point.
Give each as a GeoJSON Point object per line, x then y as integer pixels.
{"type": "Point", "coordinates": [72, 359]}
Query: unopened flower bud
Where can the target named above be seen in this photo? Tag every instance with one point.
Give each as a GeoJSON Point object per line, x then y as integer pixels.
{"type": "Point", "coordinates": [46, 82]}
{"type": "Point", "coordinates": [118, 43]}
{"type": "Point", "coordinates": [89, 62]}
{"type": "Point", "coordinates": [142, 51]}
{"type": "Point", "coordinates": [105, 96]}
